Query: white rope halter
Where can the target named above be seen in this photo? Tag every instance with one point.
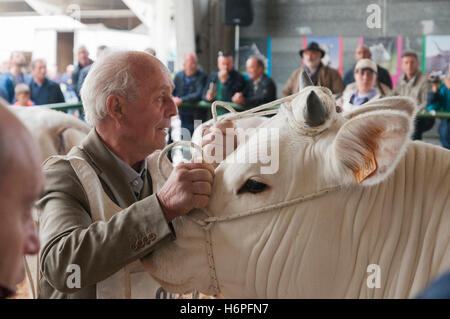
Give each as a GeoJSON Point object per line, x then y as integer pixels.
{"type": "Point", "coordinates": [207, 223]}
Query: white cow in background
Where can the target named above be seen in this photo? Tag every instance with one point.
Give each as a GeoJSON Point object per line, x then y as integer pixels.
{"type": "Point", "coordinates": [55, 132]}
{"type": "Point", "coordinates": [311, 230]}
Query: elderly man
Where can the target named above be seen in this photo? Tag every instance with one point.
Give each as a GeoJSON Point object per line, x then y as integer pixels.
{"type": "Point", "coordinates": [363, 52]}
{"type": "Point", "coordinates": [43, 90]}
{"type": "Point", "coordinates": [21, 183]}
{"type": "Point", "coordinates": [259, 89]}
{"type": "Point", "coordinates": [100, 213]}
{"type": "Point", "coordinates": [320, 74]}
{"type": "Point", "coordinates": [222, 85]}
{"type": "Point", "coordinates": [83, 61]}
{"type": "Point", "coordinates": [414, 83]}
{"type": "Point", "coordinates": [365, 88]}
{"type": "Point", "coordinates": [189, 85]}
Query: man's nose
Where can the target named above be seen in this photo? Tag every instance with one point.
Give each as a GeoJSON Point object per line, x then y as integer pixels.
{"type": "Point", "coordinates": [171, 109]}
{"type": "Point", "coordinates": [31, 244]}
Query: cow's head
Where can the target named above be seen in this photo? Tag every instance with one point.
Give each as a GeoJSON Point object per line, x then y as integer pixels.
{"type": "Point", "coordinates": [318, 148]}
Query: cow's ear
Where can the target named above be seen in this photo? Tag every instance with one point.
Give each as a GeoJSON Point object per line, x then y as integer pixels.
{"type": "Point", "coordinates": [368, 147]}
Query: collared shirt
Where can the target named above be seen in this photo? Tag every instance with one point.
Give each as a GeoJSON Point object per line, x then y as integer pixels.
{"type": "Point", "coordinates": [357, 99]}
{"type": "Point", "coordinates": [47, 93]}
{"type": "Point", "coordinates": [135, 179]}
{"type": "Point", "coordinates": [417, 88]}
{"type": "Point", "coordinates": [314, 76]}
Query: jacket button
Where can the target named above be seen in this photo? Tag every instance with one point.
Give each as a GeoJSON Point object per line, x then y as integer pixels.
{"type": "Point", "coordinates": [140, 243]}
{"type": "Point", "coordinates": [152, 236]}
{"type": "Point", "coordinates": [147, 240]}
{"type": "Point", "coordinates": [133, 246]}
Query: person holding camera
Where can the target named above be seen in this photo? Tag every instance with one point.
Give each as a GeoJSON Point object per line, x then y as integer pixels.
{"type": "Point", "coordinates": [439, 100]}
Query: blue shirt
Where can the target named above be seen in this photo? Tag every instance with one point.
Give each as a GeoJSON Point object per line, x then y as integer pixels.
{"type": "Point", "coordinates": [439, 101]}
{"type": "Point", "coordinates": [47, 93]}
{"type": "Point", "coordinates": [361, 99]}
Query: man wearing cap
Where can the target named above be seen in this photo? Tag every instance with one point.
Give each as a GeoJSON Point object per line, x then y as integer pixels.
{"type": "Point", "coordinates": [365, 88]}
{"type": "Point", "coordinates": [320, 74]}
{"type": "Point", "coordinates": [414, 83]}
{"type": "Point", "coordinates": [363, 52]}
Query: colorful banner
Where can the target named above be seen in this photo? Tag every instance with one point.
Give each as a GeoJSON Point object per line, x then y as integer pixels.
{"type": "Point", "coordinates": [437, 53]}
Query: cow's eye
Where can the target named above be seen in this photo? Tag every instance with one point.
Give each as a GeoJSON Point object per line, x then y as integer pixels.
{"type": "Point", "coordinates": [253, 186]}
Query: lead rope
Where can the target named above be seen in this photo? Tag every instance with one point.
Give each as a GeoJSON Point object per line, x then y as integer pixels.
{"type": "Point", "coordinates": [207, 223]}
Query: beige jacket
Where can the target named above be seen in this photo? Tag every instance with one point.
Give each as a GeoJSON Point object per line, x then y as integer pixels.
{"type": "Point", "coordinates": [417, 88]}
{"type": "Point", "coordinates": [328, 77]}
{"type": "Point", "coordinates": [68, 235]}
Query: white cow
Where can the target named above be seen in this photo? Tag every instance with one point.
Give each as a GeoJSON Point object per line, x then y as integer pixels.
{"type": "Point", "coordinates": [55, 132]}
{"type": "Point", "coordinates": [310, 230]}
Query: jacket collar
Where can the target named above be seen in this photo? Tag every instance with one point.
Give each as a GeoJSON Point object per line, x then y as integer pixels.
{"type": "Point", "coordinates": [108, 169]}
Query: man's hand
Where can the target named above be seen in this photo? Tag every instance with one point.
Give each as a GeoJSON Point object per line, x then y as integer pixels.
{"type": "Point", "coordinates": [210, 95]}
{"type": "Point", "coordinates": [188, 187]}
{"type": "Point", "coordinates": [177, 100]}
{"type": "Point", "coordinates": [238, 98]}
{"type": "Point", "coordinates": [434, 87]}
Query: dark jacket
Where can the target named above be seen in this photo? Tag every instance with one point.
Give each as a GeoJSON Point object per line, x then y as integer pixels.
{"type": "Point", "coordinates": [382, 76]}
{"type": "Point", "coordinates": [48, 93]}
{"type": "Point", "coordinates": [6, 88]}
{"type": "Point", "coordinates": [265, 91]}
{"type": "Point", "coordinates": [195, 89]}
{"type": "Point", "coordinates": [235, 83]}
{"type": "Point", "coordinates": [76, 75]}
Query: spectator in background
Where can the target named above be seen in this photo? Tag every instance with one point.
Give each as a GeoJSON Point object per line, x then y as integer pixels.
{"type": "Point", "coordinates": [84, 72]}
{"type": "Point", "coordinates": [23, 95]}
{"type": "Point", "coordinates": [363, 52]}
{"type": "Point", "coordinates": [223, 84]}
{"type": "Point", "coordinates": [66, 85]}
{"type": "Point", "coordinates": [320, 74]}
{"type": "Point", "coordinates": [83, 61]}
{"type": "Point", "coordinates": [43, 90]}
{"type": "Point", "coordinates": [21, 183]}
{"type": "Point", "coordinates": [189, 85]}
{"type": "Point", "coordinates": [365, 88]}
{"type": "Point", "coordinates": [259, 88]}
{"type": "Point", "coordinates": [439, 100]}
{"type": "Point", "coordinates": [6, 88]}
{"type": "Point", "coordinates": [414, 83]}
{"type": "Point", "coordinates": [18, 64]}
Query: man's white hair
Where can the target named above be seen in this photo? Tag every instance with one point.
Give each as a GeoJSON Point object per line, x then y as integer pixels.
{"type": "Point", "coordinates": [110, 74]}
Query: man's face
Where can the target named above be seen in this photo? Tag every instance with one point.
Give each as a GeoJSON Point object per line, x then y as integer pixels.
{"type": "Point", "coordinates": [20, 187]}
{"type": "Point", "coordinates": [253, 69]}
{"type": "Point", "coordinates": [311, 58]}
{"type": "Point", "coordinates": [190, 66]}
{"type": "Point", "coordinates": [18, 59]}
{"type": "Point", "coordinates": [146, 119]}
{"type": "Point", "coordinates": [362, 52]}
{"type": "Point", "coordinates": [39, 71]}
{"type": "Point", "coordinates": [365, 79]}
{"type": "Point", "coordinates": [83, 56]}
{"type": "Point", "coordinates": [409, 65]}
{"type": "Point", "coordinates": [225, 63]}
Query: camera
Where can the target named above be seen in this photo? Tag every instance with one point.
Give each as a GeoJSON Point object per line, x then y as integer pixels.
{"type": "Point", "coordinates": [436, 77]}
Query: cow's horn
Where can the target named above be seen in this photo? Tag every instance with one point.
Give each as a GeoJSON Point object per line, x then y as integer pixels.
{"type": "Point", "coordinates": [305, 80]}
{"type": "Point", "coordinates": [315, 112]}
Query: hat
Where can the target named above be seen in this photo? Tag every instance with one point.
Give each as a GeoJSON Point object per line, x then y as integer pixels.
{"type": "Point", "coordinates": [366, 64]}
{"type": "Point", "coordinates": [312, 46]}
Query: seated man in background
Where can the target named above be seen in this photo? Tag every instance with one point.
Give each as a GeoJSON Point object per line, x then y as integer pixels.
{"type": "Point", "coordinates": [414, 83]}
{"type": "Point", "coordinates": [259, 88]}
{"type": "Point", "coordinates": [21, 183]}
{"type": "Point", "coordinates": [365, 88]}
{"type": "Point", "coordinates": [43, 90]}
{"type": "Point", "coordinates": [222, 85]}
{"type": "Point", "coordinates": [22, 95]}
{"type": "Point", "coordinates": [439, 100]}
{"type": "Point", "coordinates": [363, 52]}
{"type": "Point", "coordinates": [319, 74]}
{"type": "Point", "coordinates": [189, 85]}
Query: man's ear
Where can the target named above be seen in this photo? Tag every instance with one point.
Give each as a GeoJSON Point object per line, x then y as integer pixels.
{"type": "Point", "coordinates": [400, 103]}
{"type": "Point", "coordinates": [368, 147]}
{"type": "Point", "coordinates": [114, 107]}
